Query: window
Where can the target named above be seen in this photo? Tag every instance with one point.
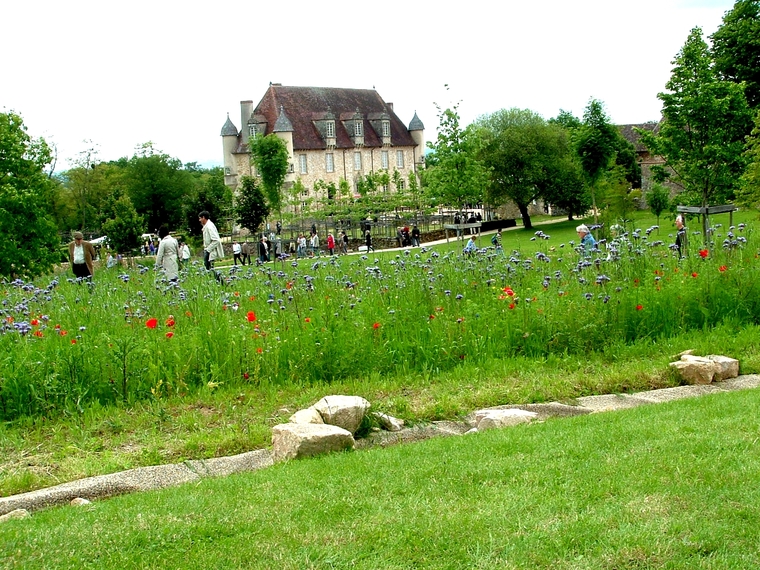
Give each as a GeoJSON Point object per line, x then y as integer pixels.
{"type": "Point", "coordinates": [400, 158]}
{"type": "Point", "coordinates": [227, 170]}
{"type": "Point", "coordinates": [357, 161]}
{"type": "Point", "coordinates": [330, 129]}
{"type": "Point", "coordinates": [302, 165]}
{"type": "Point", "coordinates": [401, 185]}
{"type": "Point", "coordinates": [329, 163]}
{"type": "Point", "coordinates": [292, 168]}
{"type": "Point", "coordinates": [358, 130]}
{"type": "Point", "coordinates": [385, 187]}
{"type": "Point", "coordinates": [384, 159]}
{"type": "Point", "coordinates": [386, 128]}
{"type": "Point", "coordinates": [252, 130]}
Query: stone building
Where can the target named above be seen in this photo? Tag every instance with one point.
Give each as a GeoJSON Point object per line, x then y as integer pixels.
{"type": "Point", "coordinates": [331, 134]}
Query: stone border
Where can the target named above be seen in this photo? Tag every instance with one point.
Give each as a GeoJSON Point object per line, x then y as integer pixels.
{"type": "Point", "coordinates": [161, 476]}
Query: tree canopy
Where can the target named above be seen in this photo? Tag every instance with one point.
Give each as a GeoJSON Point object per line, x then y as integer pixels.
{"type": "Point", "coordinates": [251, 209]}
{"type": "Point", "coordinates": [30, 239]}
{"type": "Point", "coordinates": [271, 158]}
{"type": "Point", "coordinates": [705, 120]}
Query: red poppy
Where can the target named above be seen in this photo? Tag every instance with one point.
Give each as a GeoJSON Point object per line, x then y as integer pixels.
{"type": "Point", "coordinates": [307, 319]}
{"type": "Point", "coordinates": [251, 316]}
{"type": "Point", "coordinates": [511, 305]}
{"type": "Point", "coordinates": [259, 350]}
{"type": "Point", "coordinates": [376, 326]}
{"type": "Point", "coordinates": [169, 334]}
{"type": "Point", "coordinates": [694, 274]}
{"type": "Point", "coordinates": [63, 332]}
{"type": "Point", "coordinates": [151, 323]}
{"type": "Point", "coordinates": [722, 268]}
{"type": "Point", "coordinates": [37, 333]}
{"type": "Point", "coordinates": [188, 314]}
{"type": "Point", "coordinates": [170, 321]}
{"type": "Point", "coordinates": [703, 253]}
{"type": "Point", "coordinates": [73, 341]}
{"type": "Point", "coordinates": [246, 375]}
{"type": "Point", "coordinates": [432, 317]}
{"type": "Point", "coordinates": [639, 307]}
{"type": "Point", "coordinates": [35, 322]}
{"type": "Point", "coordinates": [509, 291]}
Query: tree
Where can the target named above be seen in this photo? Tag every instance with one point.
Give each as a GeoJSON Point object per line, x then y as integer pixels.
{"type": "Point", "coordinates": [701, 136]}
{"type": "Point", "coordinates": [209, 193]}
{"type": "Point", "coordinates": [454, 175]}
{"type": "Point", "coordinates": [30, 239]}
{"type": "Point", "coordinates": [270, 156]}
{"type": "Point", "coordinates": [736, 48]}
{"type": "Point", "coordinates": [125, 226]}
{"type": "Point", "coordinates": [566, 189]}
{"type": "Point", "coordinates": [157, 186]}
{"type": "Point", "coordinates": [527, 158]}
{"type": "Point", "coordinates": [748, 193]}
{"type": "Point", "coordinates": [251, 209]}
{"type": "Point", "coordinates": [85, 183]}
{"type": "Point", "coordinates": [658, 199]}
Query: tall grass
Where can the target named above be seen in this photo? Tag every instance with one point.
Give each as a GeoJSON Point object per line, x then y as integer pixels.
{"type": "Point", "coordinates": [131, 335]}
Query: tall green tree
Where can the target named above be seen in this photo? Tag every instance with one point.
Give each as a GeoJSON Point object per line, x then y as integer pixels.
{"type": "Point", "coordinates": [251, 209]}
{"type": "Point", "coordinates": [30, 238]}
{"type": "Point", "coordinates": [209, 193]}
{"type": "Point", "coordinates": [748, 193]}
{"type": "Point", "coordinates": [454, 174]}
{"type": "Point", "coordinates": [526, 157]}
{"type": "Point", "coordinates": [701, 136]}
{"type": "Point", "coordinates": [271, 158]}
{"type": "Point", "coordinates": [85, 184]}
{"type": "Point", "coordinates": [125, 226]}
{"type": "Point", "coordinates": [658, 200]}
{"type": "Point", "coordinates": [736, 48]}
{"type": "Point", "coordinates": [158, 186]}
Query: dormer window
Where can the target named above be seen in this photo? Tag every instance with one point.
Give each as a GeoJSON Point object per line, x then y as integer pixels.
{"type": "Point", "coordinates": [330, 129]}
{"type": "Point", "coordinates": [386, 128]}
{"type": "Point", "coordinates": [252, 131]}
{"type": "Point", "coordinates": [358, 128]}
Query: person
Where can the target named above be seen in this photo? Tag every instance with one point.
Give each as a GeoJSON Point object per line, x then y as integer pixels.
{"type": "Point", "coordinates": [471, 246]}
{"type": "Point", "coordinates": [680, 236]}
{"type": "Point", "coordinates": [301, 246]}
{"type": "Point", "coordinates": [185, 254]}
{"type": "Point", "coordinates": [496, 239]}
{"type": "Point", "coordinates": [587, 240]}
{"type": "Point", "coordinates": [415, 236]}
{"type": "Point", "coordinates": [245, 252]}
{"type": "Point", "coordinates": [331, 243]}
{"type": "Point", "coordinates": [111, 260]}
{"type": "Point", "coordinates": [278, 227]}
{"type": "Point", "coordinates": [212, 243]}
{"type": "Point", "coordinates": [314, 243]}
{"type": "Point", "coordinates": [168, 254]}
{"type": "Point", "coordinates": [344, 243]}
{"type": "Point", "coordinates": [472, 220]}
{"type": "Point", "coordinates": [368, 241]}
{"type": "Point", "coordinates": [263, 250]}
{"type": "Point", "coordinates": [399, 237]}
{"type": "Point", "coordinates": [236, 250]}
{"type": "Point", "coordinates": [81, 255]}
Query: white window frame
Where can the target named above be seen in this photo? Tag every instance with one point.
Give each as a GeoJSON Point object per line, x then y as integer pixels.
{"type": "Point", "coordinates": [329, 162]}
{"type": "Point", "coordinates": [330, 129]}
{"type": "Point", "coordinates": [384, 160]}
{"type": "Point", "coordinates": [252, 131]}
{"type": "Point", "coordinates": [399, 159]}
{"type": "Point", "coordinates": [357, 160]}
{"type": "Point", "coordinates": [303, 164]}
{"type": "Point", "coordinates": [401, 185]}
{"type": "Point", "coordinates": [227, 171]}
{"type": "Point", "coordinates": [358, 128]}
{"type": "Point", "coordinates": [386, 128]}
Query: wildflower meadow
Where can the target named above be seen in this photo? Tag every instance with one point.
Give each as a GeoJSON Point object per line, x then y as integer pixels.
{"type": "Point", "coordinates": [131, 335]}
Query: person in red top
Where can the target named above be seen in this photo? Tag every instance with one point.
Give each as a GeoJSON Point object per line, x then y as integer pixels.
{"type": "Point", "coordinates": [331, 243]}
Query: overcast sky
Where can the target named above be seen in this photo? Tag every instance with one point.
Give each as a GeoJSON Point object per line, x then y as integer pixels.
{"type": "Point", "coordinates": [123, 73]}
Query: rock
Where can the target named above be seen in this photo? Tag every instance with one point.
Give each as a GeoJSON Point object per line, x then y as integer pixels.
{"type": "Point", "coordinates": [79, 501]}
{"type": "Point", "coordinates": [470, 431]}
{"type": "Point", "coordinates": [15, 514]}
{"type": "Point", "coordinates": [343, 411]}
{"type": "Point", "coordinates": [283, 412]}
{"type": "Point", "coordinates": [307, 416]}
{"type": "Point", "coordinates": [696, 369]}
{"type": "Point", "coordinates": [388, 423]}
{"type": "Point", "coordinates": [728, 367]}
{"type": "Point", "coordinates": [292, 441]}
{"type": "Point", "coordinates": [489, 419]}
{"type": "Point", "coordinates": [685, 353]}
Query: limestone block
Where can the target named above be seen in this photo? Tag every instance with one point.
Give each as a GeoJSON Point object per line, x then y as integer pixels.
{"type": "Point", "coordinates": [79, 501]}
{"type": "Point", "coordinates": [696, 369]}
{"type": "Point", "coordinates": [293, 441]}
{"type": "Point", "coordinates": [489, 419]}
{"type": "Point", "coordinates": [15, 514]}
{"type": "Point", "coordinates": [729, 367]}
{"type": "Point", "coordinates": [307, 416]}
{"type": "Point", "coordinates": [343, 411]}
{"type": "Point", "coordinates": [389, 423]}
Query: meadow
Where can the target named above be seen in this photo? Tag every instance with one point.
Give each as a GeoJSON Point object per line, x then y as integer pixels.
{"type": "Point", "coordinates": [423, 333]}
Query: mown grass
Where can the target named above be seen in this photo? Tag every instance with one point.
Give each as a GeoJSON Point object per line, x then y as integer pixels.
{"type": "Point", "coordinates": [668, 486]}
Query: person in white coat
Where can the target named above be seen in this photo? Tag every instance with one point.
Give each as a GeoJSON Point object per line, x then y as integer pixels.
{"type": "Point", "coordinates": [212, 243]}
{"type": "Point", "coordinates": [168, 254]}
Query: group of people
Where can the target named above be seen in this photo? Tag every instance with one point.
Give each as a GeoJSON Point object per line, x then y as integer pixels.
{"type": "Point", "coordinates": [408, 238]}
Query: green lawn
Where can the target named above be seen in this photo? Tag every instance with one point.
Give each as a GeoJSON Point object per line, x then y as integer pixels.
{"type": "Point", "coordinates": [666, 486]}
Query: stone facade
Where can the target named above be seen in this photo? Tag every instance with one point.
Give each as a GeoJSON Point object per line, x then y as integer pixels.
{"type": "Point", "coordinates": [332, 134]}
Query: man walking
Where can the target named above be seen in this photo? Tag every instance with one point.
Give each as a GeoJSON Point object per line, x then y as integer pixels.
{"type": "Point", "coordinates": [81, 254]}
{"type": "Point", "coordinates": [212, 243]}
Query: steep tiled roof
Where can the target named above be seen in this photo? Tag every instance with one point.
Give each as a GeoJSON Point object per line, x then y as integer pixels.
{"type": "Point", "coordinates": [303, 104]}
{"type": "Point", "coordinates": [629, 133]}
{"type": "Point", "coordinates": [229, 129]}
{"type": "Point", "coordinates": [416, 124]}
